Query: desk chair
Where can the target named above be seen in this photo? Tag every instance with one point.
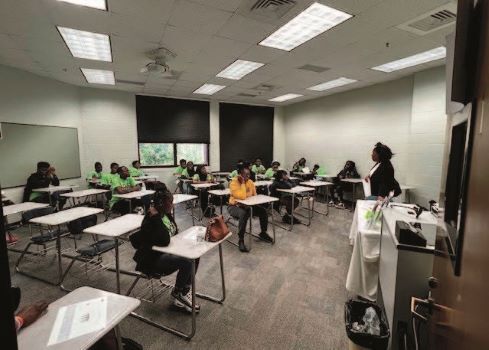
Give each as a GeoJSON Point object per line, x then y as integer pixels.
{"type": "Point", "coordinates": [45, 236]}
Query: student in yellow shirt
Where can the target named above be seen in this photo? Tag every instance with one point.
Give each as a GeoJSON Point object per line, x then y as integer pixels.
{"type": "Point", "coordinates": [242, 187]}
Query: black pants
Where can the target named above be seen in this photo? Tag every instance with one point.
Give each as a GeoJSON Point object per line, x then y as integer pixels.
{"type": "Point", "coordinates": [338, 189]}
{"type": "Point", "coordinates": [55, 197]}
{"type": "Point", "coordinates": [168, 264]}
{"type": "Point", "coordinates": [243, 214]}
{"type": "Point", "coordinates": [287, 202]}
{"type": "Point", "coordinates": [122, 206]}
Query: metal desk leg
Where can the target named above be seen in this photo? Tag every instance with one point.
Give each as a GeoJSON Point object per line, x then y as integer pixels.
{"type": "Point", "coordinates": [192, 212]}
{"type": "Point", "coordinates": [251, 228]}
{"type": "Point", "coordinates": [130, 206]}
{"type": "Point", "coordinates": [117, 331]}
{"type": "Point", "coordinates": [353, 196]}
{"type": "Point", "coordinates": [273, 225]}
{"type": "Point", "coordinates": [117, 268]}
{"type": "Point", "coordinates": [292, 213]}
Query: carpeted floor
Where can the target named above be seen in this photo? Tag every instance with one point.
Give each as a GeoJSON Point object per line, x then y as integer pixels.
{"type": "Point", "coordinates": [286, 296]}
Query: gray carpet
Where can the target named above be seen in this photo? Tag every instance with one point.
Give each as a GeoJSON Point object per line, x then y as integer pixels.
{"type": "Point", "coordinates": [286, 296]}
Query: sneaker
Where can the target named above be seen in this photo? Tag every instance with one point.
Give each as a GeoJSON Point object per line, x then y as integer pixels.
{"type": "Point", "coordinates": [242, 247]}
{"type": "Point", "coordinates": [340, 205]}
{"type": "Point", "coordinates": [331, 203]}
{"type": "Point", "coordinates": [265, 237]}
{"type": "Point", "coordinates": [184, 301]}
{"type": "Point", "coordinates": [297, 221]}
{"type": "Point", "coordinates": [139, 210]}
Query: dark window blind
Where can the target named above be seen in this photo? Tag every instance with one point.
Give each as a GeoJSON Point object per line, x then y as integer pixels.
{"type": "Point", "coordinates": [168, 120]}
{"type": "Point", "coordinates": [245, 132]}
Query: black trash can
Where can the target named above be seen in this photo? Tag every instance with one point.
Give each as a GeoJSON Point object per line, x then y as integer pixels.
{"type": "Point", "coordinates": [354, 312]}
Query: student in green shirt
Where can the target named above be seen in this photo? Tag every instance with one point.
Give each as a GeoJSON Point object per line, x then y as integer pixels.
{"type": "Point", "coordinates": [258, 167]}
{"type": "Point", "coordinates": [94, 176]}
{"type": "Point", "coordinates": [123, 184]}
{"type": "Point", "coordinates": [189, 171]}
{"type": "Point", "coordinates": [318, 170]}
{"type": "Point", "coordinates": [235, 172]}
{"type": "Point", "coordinates": [107, 179]}
{"type": "Point", "coordinates": [135, 170]}
{"type": "Point", "coordinates": [202, 176]}
{"type": "Point", "coordinates": [270, 173]}
{"type": "Point", "coordinates": [180, 168]}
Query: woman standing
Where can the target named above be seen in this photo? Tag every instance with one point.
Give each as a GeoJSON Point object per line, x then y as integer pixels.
{"type": "Point", "coordinates": [381, 177]}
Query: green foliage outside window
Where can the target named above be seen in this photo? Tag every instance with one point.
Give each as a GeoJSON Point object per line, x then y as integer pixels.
{"type": "Point", "coordinates": [156, 154]}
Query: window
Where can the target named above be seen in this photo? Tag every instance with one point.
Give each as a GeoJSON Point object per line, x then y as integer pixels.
{"type": "Point", "coordinates": [169, 154]}
{"type": "Point", "coordinates": [196, 152]}
{"type": "Point", "coordinates": [157, 154]}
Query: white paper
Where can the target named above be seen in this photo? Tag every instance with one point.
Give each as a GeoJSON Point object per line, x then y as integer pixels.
{"type": "Point", "coordinates": [366, 188]}
{"type": "Point", "coordinates": [78, 319]}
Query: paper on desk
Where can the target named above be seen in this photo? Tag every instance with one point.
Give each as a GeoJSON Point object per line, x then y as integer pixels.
{"type": "Point", "coordinates": [78, 319]}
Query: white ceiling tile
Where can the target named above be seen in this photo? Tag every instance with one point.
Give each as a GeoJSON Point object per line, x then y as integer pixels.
{"type": "Point", "coordinates": [245, 29]}
{"type": "Point", "coordinates": [183, 42]}
{"type": "Point", "coordinates": [226, 5]}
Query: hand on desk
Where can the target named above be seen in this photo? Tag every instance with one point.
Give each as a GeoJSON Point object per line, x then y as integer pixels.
{"type": "Point", "coordinates": [31, 313]}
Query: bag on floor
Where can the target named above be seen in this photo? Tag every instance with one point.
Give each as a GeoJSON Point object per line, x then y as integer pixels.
{"type": "Point", "coordinates": [216, 229]}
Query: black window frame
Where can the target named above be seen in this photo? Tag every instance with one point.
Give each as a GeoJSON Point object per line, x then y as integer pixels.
{"type": "Point", "coordinates": [175, 158]}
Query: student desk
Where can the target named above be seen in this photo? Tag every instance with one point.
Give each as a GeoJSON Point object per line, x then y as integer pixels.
{"type": "Point", "coordinates": [51, 189]}
{"type": "Point", "coordinates": [354, 183]}
{"type": "Point", "coordinates": [183, 198]}
{"type": "Point", "coordinates": [19, 209]}
{"type": "Point", "coordinates": [134, 195]}
{"type": "Point", "coordinates": [221, 194]}
{"type": "Point", "coordinates": [257, 200]}
{"type": "Point", "coordinates": [293, 192]}
{"type": "Point", "coordinates": [316, 185]}
{"type": "Point", "coordinates": [86, 194]}
{"type": "Point", "coordinates": [116, 228]}
{"type": "Point", "coordinates": [146, 178]}
{"type": "Point", "coordinates": [58, 219]}
{"type": "Point", "coordinates": [37, 335]}
{"type": "Point", "coordinates": [327, 176]}
{"type": "Point", "coordinates": [407, 192]}
{"type": "Point", "coordinates": [190, 244]}
{"type": "Point", "coordinates": [263, 183]}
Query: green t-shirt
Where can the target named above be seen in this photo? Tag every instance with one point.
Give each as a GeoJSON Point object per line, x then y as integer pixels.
{"type": "Point", "coordinates": [233, 174]}
{"type": "Point", "coordinates": [91, 175]}
{"type": "Point", "coordinates": [109, 178]}
{"type": "Point", "coordinates": [133, 172]}
{"type": "Point", "coordinates": [269, 173]}
{"type": "Point", "coordinates": [179, 170]}
{"type": "Point", "coordinates": [258, 169]}
{"type": "Point", "coordinates": [34, 195]}
{"type": "Point", "coordinates": [321, 171]}
{"type": "Point", "coordinates": [119, 182]}
{"type": "Point", "coordinates": [170, 226]}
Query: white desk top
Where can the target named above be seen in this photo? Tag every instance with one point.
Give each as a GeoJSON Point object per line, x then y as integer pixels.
{"type": "Point", "coordinates": [314, 183]}
{"type": "Point", "coordinates": [353, 181]}
{"type": "Point", "coordinates": [65, 216]}
{"type": "Point", "coordinates": [293, 178]}
{"type": "Point", "coordinates": [407, 187]}
{"type": "Point", "coordinates": [326, 176]}
{"type": "Point", "coordinates": [55, 188]}
{"type": "Point", "coordinates": [263, 183]}
{"type": "Point", "coordinates": [84, 193]}
{"type": "Point", "coordinates": [37, 335]}
{"type": "Point", "coordinates": [146, 177]}
{"type": "Point", "coordinates": [296, 189]}
{"type": "Point", "coordinates": [190, 243]}
{"type": "Point", "coordinates": [22, 207]}
{"type": "Point", "coordinates": [221, 173]}
{"type": "Point", "coordinates": [225, 192]}
{"type": "Point", "coordinates": [180, 198]}
{"type": "Point", "coordinates": [135, 194]}
{"type": "Point", "coordinates": [256, 200]}
{"type": "Point", "coordinates": [204, 185]}
{"type": "Point", "coordinates": [118, 226]}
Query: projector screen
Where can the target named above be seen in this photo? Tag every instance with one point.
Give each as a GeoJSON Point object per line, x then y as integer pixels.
{"type": "Point", "coordinates": [23, 145]}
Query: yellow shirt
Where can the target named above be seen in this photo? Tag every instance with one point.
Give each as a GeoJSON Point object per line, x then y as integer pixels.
{"type": "Point", "coordinates": [241, 191]}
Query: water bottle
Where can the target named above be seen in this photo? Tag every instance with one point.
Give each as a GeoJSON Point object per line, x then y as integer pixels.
{"type": "Point", "coordinates": [143, 187]}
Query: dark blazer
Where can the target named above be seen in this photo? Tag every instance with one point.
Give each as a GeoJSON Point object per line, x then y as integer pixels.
{"type": "Point", "coordinates": [153, 233]}
{"type": "Point", "coordinates": [382, 180]}
{"type": "Point", "coordinates": [280, 184]}
{"type": "Point", "coordinates": [38, 180]}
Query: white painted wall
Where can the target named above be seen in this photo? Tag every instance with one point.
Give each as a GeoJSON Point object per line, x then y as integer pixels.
{"type": "Point", "coordinates": [29, 99]}
{"type": "Point", "coordinates": [406, 114]}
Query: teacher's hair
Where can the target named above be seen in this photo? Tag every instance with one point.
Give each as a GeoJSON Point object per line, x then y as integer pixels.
{"type": "Point", "coordinates": [383, 151]}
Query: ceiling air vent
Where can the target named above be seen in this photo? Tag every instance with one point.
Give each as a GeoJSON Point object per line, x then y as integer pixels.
{"type": "Point", "coordinates": [266, 9]}
{"type": "Point", "coordinates": [264, 87]}
{"type": "Point", "coordinates": [244, 94]}
{"type": "Point", "coordinates": [138, 83]}
{"type": "Point", "coordinates": [438, 18]}
{"type": "Point", "coordinates": [313, 68]}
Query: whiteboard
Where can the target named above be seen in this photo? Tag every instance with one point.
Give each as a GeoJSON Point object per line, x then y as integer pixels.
{"type": "Point", "coordinates": [23, 145]}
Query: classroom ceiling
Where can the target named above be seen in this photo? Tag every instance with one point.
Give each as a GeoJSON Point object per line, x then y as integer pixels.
{"type": "Point", "coordinates": [207, 36]}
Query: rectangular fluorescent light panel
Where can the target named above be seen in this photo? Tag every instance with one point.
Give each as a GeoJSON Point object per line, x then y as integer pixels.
{"type": "Point", "coordinates": [209, 89]}
{"type": "Point", "coordinates": [308, 24]}
{"type": "Point", "coordinates": [88, 45]}
{"type": "Point", "coordinates": [239, 69]}
{"type": "Point", "coordinates": [414, 60]}
{"type": "Point", "coordinates": [96, 4]}
{"type": "Point", "coordinates": [99, 76]}
{"type": "Point", "coordinates": [284, 97]}
{"type": "Point", "coordinates": [332, 84]}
